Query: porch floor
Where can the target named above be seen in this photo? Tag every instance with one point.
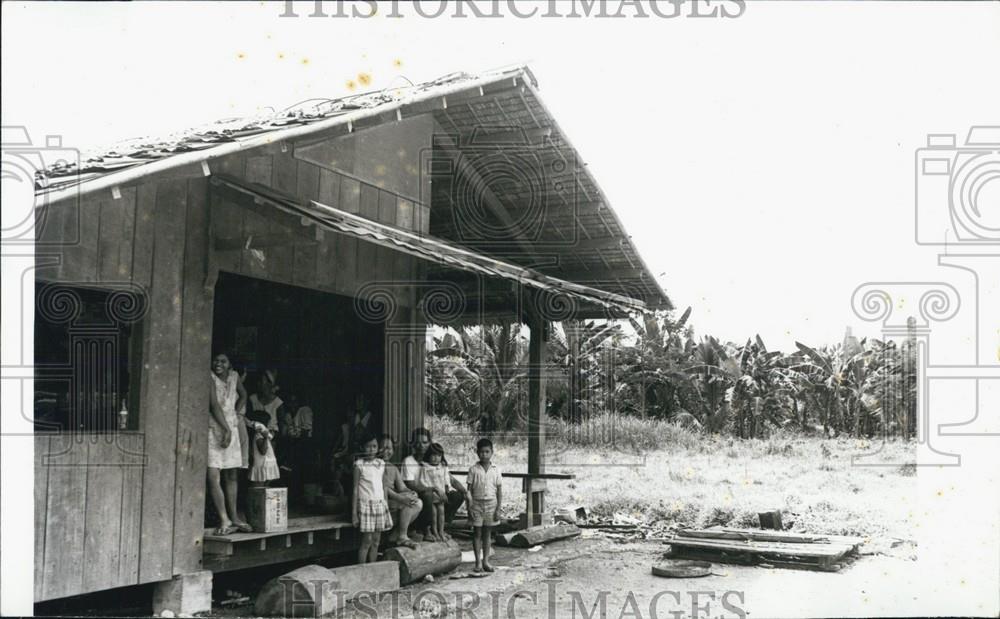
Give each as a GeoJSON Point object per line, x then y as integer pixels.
{"type": "Point", "coordinates": [306, 537]}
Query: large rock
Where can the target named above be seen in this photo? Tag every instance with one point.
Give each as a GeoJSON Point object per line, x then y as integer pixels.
{"type": "Point", "coordinates": [316, 591]}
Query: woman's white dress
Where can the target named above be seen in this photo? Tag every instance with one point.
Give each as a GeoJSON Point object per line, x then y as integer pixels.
{"type": "Point", "coordinates": [229, 457]}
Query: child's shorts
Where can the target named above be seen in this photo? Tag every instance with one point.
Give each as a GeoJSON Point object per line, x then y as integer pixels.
{"type": "Point", "coordinates": [374, 516]}
{"type": "Point", "coordinates": [481, 512]}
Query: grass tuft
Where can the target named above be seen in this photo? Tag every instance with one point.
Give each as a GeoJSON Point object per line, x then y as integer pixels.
{"type": "Point", "coordinates": [660, 473]}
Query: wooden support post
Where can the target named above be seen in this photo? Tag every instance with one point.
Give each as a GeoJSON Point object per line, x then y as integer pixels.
{"type": "Point", "coordinates": [537, 349]}
{"type": "Point", "coordinates": [184, 593]}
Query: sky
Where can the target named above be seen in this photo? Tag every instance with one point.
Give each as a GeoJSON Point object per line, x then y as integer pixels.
{"type": "Point", "coordinates": [763, 165]}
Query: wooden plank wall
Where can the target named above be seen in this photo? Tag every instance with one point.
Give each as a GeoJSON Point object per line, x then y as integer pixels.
{"type": "Point", "coordinates": [328, 261]}
{"type": "Point", "coordinates": [86, 513]}
{"type": "Point", "coordinates": [135, 524]}
{"type": "Point", "coordinates": [96, 504]}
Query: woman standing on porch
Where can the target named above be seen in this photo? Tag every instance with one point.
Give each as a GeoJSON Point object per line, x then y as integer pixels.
{"type": "Point", "coordinates": [224, 451]}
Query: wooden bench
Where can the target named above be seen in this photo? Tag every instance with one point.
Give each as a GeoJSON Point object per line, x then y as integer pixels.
{"type": "Point", "coordinates": [533, 485]}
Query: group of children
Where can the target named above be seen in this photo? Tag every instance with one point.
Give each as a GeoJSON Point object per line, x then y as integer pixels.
{"type": "Point", "coordinates": [370, 502]}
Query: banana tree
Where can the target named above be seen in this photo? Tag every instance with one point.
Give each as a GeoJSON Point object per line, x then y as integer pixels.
{"type": "Point", "coordinates": [482, 370]}
{"type": "Point", "coordinates": [838, 382]}
{"type": "Point", "coordinates": [653, 370]}
{"type": "Point", "coordinates": [582, 351]}
{"type": "Point", "coordinates": [762, 390]}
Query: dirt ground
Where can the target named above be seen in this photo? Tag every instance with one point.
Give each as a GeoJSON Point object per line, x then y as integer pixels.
{"type": "Point", "coordinates": [707, 483]}
{"type": "Point", "coordinates": [598, 577]}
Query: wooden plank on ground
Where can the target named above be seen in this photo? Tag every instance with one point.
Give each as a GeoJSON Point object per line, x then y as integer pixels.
{"type": "Point", "coordinates": [41, 504]}
{"type": "Point", "coordinates": [102, 528]}
{"type": "Point", "coordinates": [796, 537]}
{"type": "Point", "coordinates": [65, 517]}
{"type": "Point", "coordinates": [194, 385]}
{"type": "Point", "coordinates": [768, 536]}
{"type": "Point", "coordinates": [132, 456]}
{"type": "Point", "coordinates": [158, 411]}
{"type": "Point", "coordinates": [765, 548]}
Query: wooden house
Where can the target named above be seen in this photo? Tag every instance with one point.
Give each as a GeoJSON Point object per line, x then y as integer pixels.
{"type": "Point", "coordinates": [343, 230]}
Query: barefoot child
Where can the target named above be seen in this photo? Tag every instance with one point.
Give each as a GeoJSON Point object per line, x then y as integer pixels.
{"type": "Point", "coordinates": [434, 474]}
{"type": "Point", "coordinates": [369, 503]}
{"type": "Point", "coordinates": [485, 495]}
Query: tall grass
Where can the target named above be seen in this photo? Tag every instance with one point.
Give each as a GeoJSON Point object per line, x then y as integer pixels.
{"type": "Point", "coordinates": [664, 474]}
{"type": "Point", "coordinates": [601, 431]}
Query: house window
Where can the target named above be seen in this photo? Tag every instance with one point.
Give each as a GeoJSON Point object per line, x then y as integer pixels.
{"type": "Point", "coordinates": [87, 358]}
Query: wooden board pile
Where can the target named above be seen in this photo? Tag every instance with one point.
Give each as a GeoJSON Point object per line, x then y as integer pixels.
{"type": "Point", "coordinates": [825, 553]}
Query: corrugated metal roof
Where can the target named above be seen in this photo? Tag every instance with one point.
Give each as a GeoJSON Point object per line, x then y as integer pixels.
{"type": "Point", "coordinates": [597, 251]}
{"type": "Point", "coordinates": [97, 163]}
{"type": "Point", "coordinates": [429, 248]}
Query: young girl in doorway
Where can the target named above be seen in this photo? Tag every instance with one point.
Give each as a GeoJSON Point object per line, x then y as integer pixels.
{"type": "Point", "coordinates": [434, 473]}
{"type": "Point", "coordinates": [370, 501]}
{"type": "Point", "coordinates": [263, 466]}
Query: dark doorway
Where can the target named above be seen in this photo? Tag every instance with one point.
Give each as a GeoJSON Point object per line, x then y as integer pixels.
{"type": "Point", "coordinates": [322, 350]}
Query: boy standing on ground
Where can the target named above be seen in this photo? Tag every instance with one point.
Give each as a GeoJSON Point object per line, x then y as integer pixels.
{"type": "Point", "coordinates": [485, 497]}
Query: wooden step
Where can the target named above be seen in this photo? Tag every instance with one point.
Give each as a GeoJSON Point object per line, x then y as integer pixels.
{"type": "Point", "coordinates": [303, 527]}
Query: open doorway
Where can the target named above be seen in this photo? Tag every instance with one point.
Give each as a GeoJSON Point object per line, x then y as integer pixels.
{"type": "Point", "coordinates": [319, 349]}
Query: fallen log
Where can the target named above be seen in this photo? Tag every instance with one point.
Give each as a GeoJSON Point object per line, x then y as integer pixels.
{"type": "Point", "coordinates": [541, 535]}
{"type": "Point", "coordinates": [429, 558]}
